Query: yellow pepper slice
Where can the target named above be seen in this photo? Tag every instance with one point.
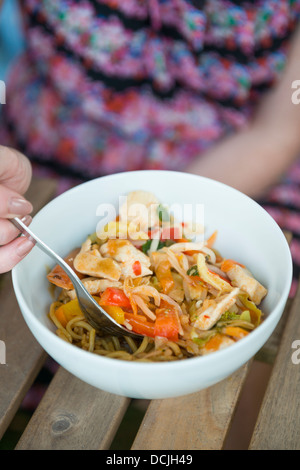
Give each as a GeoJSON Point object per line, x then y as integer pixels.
{"type": "Point", "coordinates": [67, 311]}
{"type": "Point", "coordinates": [115, 312]}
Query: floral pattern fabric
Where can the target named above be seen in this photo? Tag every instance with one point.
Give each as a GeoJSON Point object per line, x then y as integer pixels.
{"type": "Point", "coordinates": [112, 85]}
{"type": "Point", "coordinates": [108, 85]}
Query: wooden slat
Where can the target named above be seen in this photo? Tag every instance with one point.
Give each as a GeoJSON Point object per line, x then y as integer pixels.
{"type": "Point", "coordinates": [248, 407]}
{"type": "Point", "coordinates": [278, 424]}
{"type": "Point", "coordinates": [24, 357]}
{"type": "Point", "coordinates": [73, 416]}
{"type": "Point", "coordinates": [269, 351]}
{"type": "Point", "coordinates": [199, 421]}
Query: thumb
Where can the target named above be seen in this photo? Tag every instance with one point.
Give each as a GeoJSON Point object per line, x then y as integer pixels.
{"type": "Point", "coordinates": [15, 170]}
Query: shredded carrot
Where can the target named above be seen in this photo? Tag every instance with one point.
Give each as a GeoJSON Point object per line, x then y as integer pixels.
{"type": "Point", "coordinates": [191, 252]}
{"type": "Point", "coordinates": [132, 303]}
{"type": "Point", "coordinates": [211, 240]}
{"type": "Point", "coordinates": [228, 264]}
{"type": "Point", "coordinates": [214, 343]}
{"type": "Point", "coordinates": [235, 332]}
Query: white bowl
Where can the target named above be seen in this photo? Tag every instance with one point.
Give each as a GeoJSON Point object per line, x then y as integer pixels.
{"type": "Point", "coordinates": [246, 233]}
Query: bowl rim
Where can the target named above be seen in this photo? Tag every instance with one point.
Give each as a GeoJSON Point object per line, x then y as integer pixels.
{"type": "Point", "coordinates": [169, 365]}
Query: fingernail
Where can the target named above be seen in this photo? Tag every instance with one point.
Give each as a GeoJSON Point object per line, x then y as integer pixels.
{"type": "Point", "coordinates": [19, 206]}
{"type": "Point", "coordinates": [24, 247]}
{"type": "Point", "coordinates": [27, 219]}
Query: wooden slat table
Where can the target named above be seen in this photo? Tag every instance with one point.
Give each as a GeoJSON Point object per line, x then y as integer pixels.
{"type": "Point", "coordinates": [203, 420]}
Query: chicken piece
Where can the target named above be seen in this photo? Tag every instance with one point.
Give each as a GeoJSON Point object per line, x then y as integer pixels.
{"type": "Point", "coordinates": [241, 277]}
{"type": "Point", "coordinates": [177, 292]}
{"type": "Point", "coordinates": [141, 209]}
{"type": "Point", "coordinates": [209, 317]}
{"type": "Point", "coordinates": [134, 269]}
{"type": "Point", "coordinates": [94, 286]}
{"type": "Point", "coordinates": [86, 246]}
{"type": "Point", "coordinates": [196, 291]}
{"type": "Point", "coordinates": [91, 262]}
{"type": "Point", "coordinates": [133, 262]}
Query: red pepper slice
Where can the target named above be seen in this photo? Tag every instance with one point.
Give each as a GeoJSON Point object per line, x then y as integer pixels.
{"type": "Point", "coordinates": [171, 233]}
{"type": "Point", "coordinates": [137, 268]}
{"type": "Point", "coordinates": [140, 324]}
{"type": "Point", "coordinates": [115, 296]}
{"type": "Point", "coordinates": [166, 324]}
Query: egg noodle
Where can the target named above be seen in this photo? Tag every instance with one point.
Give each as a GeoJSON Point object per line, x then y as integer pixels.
{"type": "Point", "coordinates": [179, 293]}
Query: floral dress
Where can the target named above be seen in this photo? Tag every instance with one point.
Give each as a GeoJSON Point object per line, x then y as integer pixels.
{"type": "Point", "coordinates": [114, 85]}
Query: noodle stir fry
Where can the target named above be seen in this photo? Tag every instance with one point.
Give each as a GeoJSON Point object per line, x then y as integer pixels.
{"type": "Point", "coordinates": [152, 277]}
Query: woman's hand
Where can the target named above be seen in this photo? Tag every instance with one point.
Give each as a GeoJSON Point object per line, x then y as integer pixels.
{"type": "Point", "coordinates": [15, 177]}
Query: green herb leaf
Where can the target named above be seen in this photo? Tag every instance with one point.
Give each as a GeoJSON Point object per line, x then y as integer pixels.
{"type": "Point", "coordinates": [146, 246]}
{"type": "Point", "coordinates": [193, 271]}
{"type": "Point", "coordinates": [163, 213]}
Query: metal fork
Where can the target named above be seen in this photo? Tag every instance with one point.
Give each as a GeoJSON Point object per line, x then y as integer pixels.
{"type": "Point", "coordinates": [93, 312]}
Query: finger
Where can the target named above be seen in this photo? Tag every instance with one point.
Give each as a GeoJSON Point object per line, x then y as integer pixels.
{"type": "Point", "coordinates": [13, 253]}
{"type": "Point", "coordinates": [12, 204]}
{"type": "Point", "coordinates": [15, 170]}
{"type": "Point", "coordinates": [9, 232]}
